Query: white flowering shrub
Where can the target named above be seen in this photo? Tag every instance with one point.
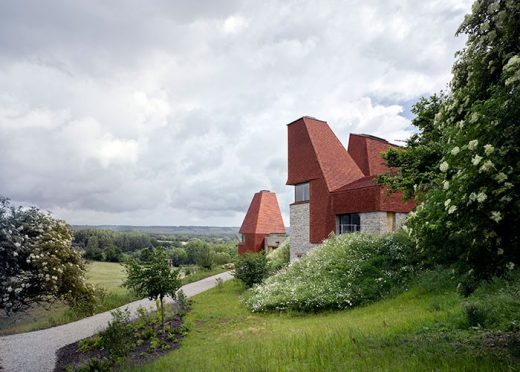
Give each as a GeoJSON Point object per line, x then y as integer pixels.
{"type": "Point", "coordinates": [468, 190]}
{"type": "Point", "coordinates": [37, 261]}
{"type": "Point", "coordinates": [280, 257]}
{"type": "Point", "coordinates": [346, 270]}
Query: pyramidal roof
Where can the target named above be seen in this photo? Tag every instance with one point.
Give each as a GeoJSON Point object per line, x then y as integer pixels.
{"type": "Point", "coordinates": [335, 163]}
{"type": "Point", "coordinates": [263, 215]}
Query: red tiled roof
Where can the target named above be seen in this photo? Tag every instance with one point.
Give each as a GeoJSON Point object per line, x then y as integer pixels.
{"type": "Point", "coordinates": [366, 151]}
{"type": "Point", "coordinates": [367, 181]}
{"type": "Point", "coordinates": [335, 163]}
{"type": "Point", "coordinates": [263, 215]}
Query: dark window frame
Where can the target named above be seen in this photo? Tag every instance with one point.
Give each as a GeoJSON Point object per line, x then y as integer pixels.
{"type": "Point", "coordinates": [348, 223]}
{"type": "Point", "coordinates": [302, 192]}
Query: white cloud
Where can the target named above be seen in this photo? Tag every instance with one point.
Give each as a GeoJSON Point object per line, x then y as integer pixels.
{"type": "Point", "coordinates": [175, 113]}
{"type": "Point", "coordinates": [234, 24]}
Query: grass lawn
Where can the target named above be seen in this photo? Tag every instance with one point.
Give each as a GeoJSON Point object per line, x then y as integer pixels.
{"type": "Point", "coordinates": [414, 330]}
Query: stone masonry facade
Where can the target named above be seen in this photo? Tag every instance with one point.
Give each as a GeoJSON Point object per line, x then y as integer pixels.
{"type": "Point", "coordinates": [300, 230]}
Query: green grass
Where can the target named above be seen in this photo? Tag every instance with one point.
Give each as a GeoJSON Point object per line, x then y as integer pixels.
{"type": "Point", "coordinates": [201, 274]}
{"type": "Point", "coordinates": [107, 275]}
{"type": "Point", "coordinates": [416, 330]}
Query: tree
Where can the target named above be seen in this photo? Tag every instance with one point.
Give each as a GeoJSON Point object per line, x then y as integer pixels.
{"type": "Point", "coordinates": [153, 279]}
{"type": "Point", "coordinates": [37, 261]}
{"type": "Point", "coordinates": [470, 210]}
{"type": "Point", "coordinates": [251, 268]}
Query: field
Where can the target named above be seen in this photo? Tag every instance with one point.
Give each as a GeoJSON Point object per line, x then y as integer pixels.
{"type": "Point", "coordinates": [103, 274]}
{"type": "Point", "coordinates": [415, 330]}
{"type": "Point", "coordinates": [106, 275]}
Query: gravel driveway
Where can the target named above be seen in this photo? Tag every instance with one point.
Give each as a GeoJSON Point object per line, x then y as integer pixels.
{"type": "Point", "coordinates": [36, 351]}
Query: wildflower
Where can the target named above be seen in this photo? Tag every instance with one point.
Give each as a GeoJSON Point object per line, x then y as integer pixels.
{"type": "Point", "coordinates": [455, 150]}
{"type": "Point", "coordinates": [444, 166]}
{"type": "Point", "coordinates": [472, 196]}
{"type": "Point", "coordinates": [9, 289]}
{"type": "Point", "coordinates": [452, 209]}
{"type": "Point", "coordinates": [500, 251]}
{"type": "Point", "coordinates": [446, 185]}
{"type": "Point", "coordinates": [488, 149]}
{"type": "Point", "coordinates": [472, 145]}
{"type": "Point", "coordinates": [447, 203]}
{"type": "Point", "coordinates": [496, 216]}
{"type": "Point", "coordinates": [501, 177]}
{"type": "Point", "coordinates": [510, 265]}
{"type": "Point", "coordinates": [481, 197]}
{"type": "Point", "coordinates": [476, 159]}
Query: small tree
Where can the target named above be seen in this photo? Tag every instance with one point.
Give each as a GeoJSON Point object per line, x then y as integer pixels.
{"type": "Point", "coordinates": [153, 279]}
{"type": "Point", "coordinates": [251, 268]}
{"type": "Point", "coordinates": [38, 262]}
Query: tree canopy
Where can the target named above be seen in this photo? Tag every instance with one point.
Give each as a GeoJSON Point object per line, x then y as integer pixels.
{"type": "Point", "coordinates": [37, 261]}
{"type": "Point", "coordinates": [463, 166]}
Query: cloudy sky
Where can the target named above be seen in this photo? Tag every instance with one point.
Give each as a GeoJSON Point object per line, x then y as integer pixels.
{"type": "Point", "coordinates": [174, 112]}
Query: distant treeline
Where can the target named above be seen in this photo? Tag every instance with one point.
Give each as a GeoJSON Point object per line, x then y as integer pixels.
{"type": "Point", "coordinates": [184, 249]}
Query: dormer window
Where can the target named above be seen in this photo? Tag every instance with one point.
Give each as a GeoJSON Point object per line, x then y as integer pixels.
{"type": "Point", "coordinates": [301, 192]}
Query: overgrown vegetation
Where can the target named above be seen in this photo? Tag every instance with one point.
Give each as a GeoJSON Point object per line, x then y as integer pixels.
{"type": "Point", "coordinates": [463, 166]}
{"type": "Point", "coordinates": [38, 263]}
{"type": "Point", "coordinates": [280, 257]}
{"type": "Point", "coordinates": [347, 270]}
{"type": "Point", "coordinates": [421, 329]}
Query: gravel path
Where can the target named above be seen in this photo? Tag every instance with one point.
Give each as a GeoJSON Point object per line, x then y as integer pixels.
{"type": "Point", "coordinates": [36, 351]}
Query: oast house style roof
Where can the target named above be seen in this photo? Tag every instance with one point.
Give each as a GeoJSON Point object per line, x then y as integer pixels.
{"type": "Point", "coordinates": [263, 215]}
{"type": "Point", "coordinates": [340, 181]}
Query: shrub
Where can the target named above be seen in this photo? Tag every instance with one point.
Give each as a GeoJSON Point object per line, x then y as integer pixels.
{"type": "Point", "coordinates": [347, 270]}
{"type": "Point", "coordinates": [280, 257]}
{"type": "Point", "coordinates": [116, 339]}
{"type": "Point", "coordinates": [251, 268]}
{"type": "Point", "coordinates": [96, 365]}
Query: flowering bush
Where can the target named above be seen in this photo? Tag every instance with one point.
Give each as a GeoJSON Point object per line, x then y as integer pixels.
{"type": "Point", "coordinates": [347, 270]}
{"type": "Point", "coordinates": [468, 189]}
{"type": "Point", "coordinates": [37, 261]}
{"type": "Point", "coordinates": [280, 257]}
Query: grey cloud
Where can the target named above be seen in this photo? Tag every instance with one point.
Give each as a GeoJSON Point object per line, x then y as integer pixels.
{"type": "Point", "coordinates": [167, 112]}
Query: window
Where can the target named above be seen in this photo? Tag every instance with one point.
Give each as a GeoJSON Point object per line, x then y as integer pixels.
{"type": "Point", "coordinates": [242, 238]}
{"type": "Point", "coordinates": [301, 192]}
{"type": "Point", "coordinates": [348, 223]}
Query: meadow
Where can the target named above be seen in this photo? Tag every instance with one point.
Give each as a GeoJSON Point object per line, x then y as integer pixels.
{"type": "Point", "coordinates": [106, 275]}
{"type": "Point", "coordinates": [422, 329]}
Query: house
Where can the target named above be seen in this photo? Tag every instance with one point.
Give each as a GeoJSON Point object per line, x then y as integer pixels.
{"type": "Point", "coordinates": [263, 227]}
{"type": "Point", "coordinates": [336, 190]}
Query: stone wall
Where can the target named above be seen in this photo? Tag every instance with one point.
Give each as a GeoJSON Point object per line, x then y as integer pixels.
{"type": "Point", "coordinates": [300, 230]}
{"type": "Point", "coordinates": [400, 219]}
{"type": "Point", "coordinates": [373, 222]}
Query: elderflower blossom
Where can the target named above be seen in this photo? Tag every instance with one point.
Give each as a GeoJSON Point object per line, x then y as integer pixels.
{"type": "Point", "coordinates": [476, 160]}
{"type": "Point", "coordinates": [510, 265]}
{"type": "Point", "coordinates": [455, 150]}
{"type": "Point", "coordinates": [446, 185]}
{"type": "Point", "coordinates": [472, 145]}
{"type": "Point", "coordinates": [496, 216]}
{"type": "Point", "coordinates": [481, 197]}
{"type": "Point", "coordinates": [488, 165]}
{"type": "Point", "coordinates": [452, 209]}
{"type": "Point", "coordinates": [488, 149]}
{"type": "Point", "coordinates": [500, 251]}
{"type": "Point", "coordinates": [501, 177]}
{"type": "Point", "coordinates": [447, 203]}
{"type": "Point", "coordinates": [444, 166]}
